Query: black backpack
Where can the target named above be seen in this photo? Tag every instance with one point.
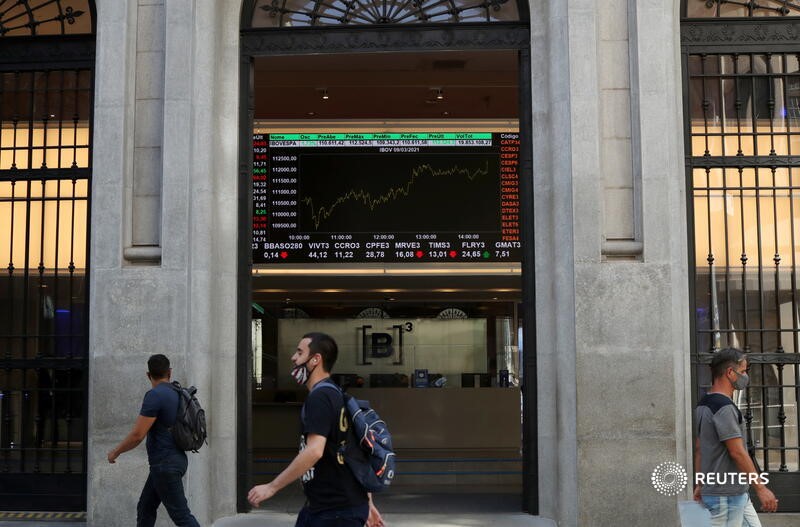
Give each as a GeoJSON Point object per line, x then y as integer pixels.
{"type": "Point", "coordinates": [368, 449]}
{"type": "Point", "coordinates": [189, 430]}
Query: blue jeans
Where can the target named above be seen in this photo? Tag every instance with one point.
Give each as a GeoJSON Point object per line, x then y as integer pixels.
{"type": "Point", "coordinates": [347, 517]}
{"type": "Point", "coordinates": [750, 515]}
{"type": "Point", "coordinates": [727, 511]}
{"type": "Point", "coordinates": [165, 485]}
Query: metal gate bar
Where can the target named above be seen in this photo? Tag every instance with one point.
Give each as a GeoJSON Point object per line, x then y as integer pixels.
{"type": "Point", "coordinates": [742, 107]}
{"type": "Point", "coordinates": [45, 119]}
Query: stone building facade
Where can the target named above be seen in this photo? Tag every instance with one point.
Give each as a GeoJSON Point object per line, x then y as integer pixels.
{"type": "Point", "coordinates": [613, 260]}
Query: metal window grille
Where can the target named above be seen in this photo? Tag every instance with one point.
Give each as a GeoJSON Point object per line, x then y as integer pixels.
{"type": "Point", "coordinates": [743, 170]}
{"type": "Point", "coordinates": [299, 13]}
{"type": "Point", "coordinates": [45, 17]}
{"type": "Point", "coordinates": [740, 8]}
{"type": "Point", "coordinates": [45, 166]}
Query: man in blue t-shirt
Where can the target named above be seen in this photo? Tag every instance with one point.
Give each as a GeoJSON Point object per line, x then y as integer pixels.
{"type": "Point", "coordinates": [167, 463]}
{"type": "Point", "coordinates": [335, 498]}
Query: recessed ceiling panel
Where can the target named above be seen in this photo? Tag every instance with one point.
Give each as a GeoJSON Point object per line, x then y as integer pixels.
{"type": "Point", "coordinates": [447, 85]}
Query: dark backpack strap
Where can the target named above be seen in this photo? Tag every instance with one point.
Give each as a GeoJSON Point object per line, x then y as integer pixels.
{"type": "Point", "coordinates": [322, 384]}
{"type": "Point", "coordinates": [328, 382]}
{"type": "Point", "coordinates": [175, 385]}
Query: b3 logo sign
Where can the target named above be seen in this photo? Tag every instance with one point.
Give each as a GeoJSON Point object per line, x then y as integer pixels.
{"type": "Point", "coordinates": [381, 345]}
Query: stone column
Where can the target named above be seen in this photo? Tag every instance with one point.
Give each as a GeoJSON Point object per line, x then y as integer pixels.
{"type": "Point", "coordinates": [179, 297]}
{"type": "Point", "coordinates": [632, 306]}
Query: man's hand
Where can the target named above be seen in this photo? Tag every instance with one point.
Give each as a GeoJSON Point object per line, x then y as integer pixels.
{"type": "Point", "coordinates": [697, 496]}
{"type": "Point", "coordinates": [745, 464]}
{"type": "Point", "coordinates": [132, 440]}
{"type": "Point", "coordinates": [302, 463]}
{"type": "Point", "coordinates": [260, 493]}
{"type": "Point", "coordinates": [374, 519]}
{"type": "Point", "coordinates": [769, 503]}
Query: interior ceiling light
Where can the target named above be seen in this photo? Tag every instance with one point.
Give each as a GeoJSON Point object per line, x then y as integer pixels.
{"type": "Point", "coordinates": [325, 96]}
{"type": "Point", "coordinates": [435, 95]}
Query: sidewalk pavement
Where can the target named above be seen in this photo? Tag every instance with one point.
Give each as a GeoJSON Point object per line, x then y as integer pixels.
{"type": "Point", "coordinates": [283, 519]}
{"type": "Point", "coordinates": [401, 507]}
{"type": "Point", "coordinates": [410, 507]}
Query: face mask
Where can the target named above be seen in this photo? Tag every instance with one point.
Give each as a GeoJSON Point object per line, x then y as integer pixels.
{"type": "Point", "coordinates": [742, 380]}
{"type": "Point", "coordinates": [300, 373]}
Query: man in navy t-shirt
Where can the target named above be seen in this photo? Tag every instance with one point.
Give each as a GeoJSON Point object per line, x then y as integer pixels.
{"type": "Point", "coordinates": [335, 497]}
{"type": "Point", "coordinates": [167, 462]}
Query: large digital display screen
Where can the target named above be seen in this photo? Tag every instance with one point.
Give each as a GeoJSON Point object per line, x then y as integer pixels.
{"type": "Point", "coordinates": [386, 197]}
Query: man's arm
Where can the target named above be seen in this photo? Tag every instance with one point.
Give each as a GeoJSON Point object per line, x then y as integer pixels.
{"type": "Point", "coordinates": [374, 519]}
{"type": "Point", "coordinates": [697, 467]}
{"type": "Point", "coordinates": [743, 462]}
{"type": "Point", "coordinates": [132, 440]}
{"type": "Point", "coordinates": [305, 459]}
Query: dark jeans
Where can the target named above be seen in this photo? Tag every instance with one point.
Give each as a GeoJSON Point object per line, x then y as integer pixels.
{"type": "Point", "coordinates": [164, 485]}
{"type": "Point", "coordinates": [347, 517]}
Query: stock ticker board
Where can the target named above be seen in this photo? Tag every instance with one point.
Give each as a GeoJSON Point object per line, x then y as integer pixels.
{"type": "Point", "coordinates": [386, 197]}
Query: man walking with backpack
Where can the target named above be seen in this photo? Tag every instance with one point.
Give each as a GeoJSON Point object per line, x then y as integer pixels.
{"type": "Point", "coordinates": [335, 498]}
{"type": "Point", "coordinates": [168, 463]}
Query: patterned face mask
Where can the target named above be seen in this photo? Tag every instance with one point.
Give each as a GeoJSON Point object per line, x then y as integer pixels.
{"type": "Point", "coordinates": [300, 373]}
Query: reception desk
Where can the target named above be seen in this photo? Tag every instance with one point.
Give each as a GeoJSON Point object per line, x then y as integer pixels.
{"type": "Point", "coordinates": [448, 418]}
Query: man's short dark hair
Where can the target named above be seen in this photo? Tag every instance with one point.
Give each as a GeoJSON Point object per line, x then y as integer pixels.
{"type": "Point", "coordinates": [158, 366]}
{"type": "Point", "coordinates": [724, 359]}
{"type": "Point", "coordinates": [323, 344]}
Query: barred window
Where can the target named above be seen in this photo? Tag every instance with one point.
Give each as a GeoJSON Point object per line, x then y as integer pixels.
{"type": "Point", "coordinates": [740, 8]}
{"type": "Point", "coordinates": [46, 83]}
{"type": "Point", "coordinates": [45, 17]}
{"type": "Point", "coordinates": [299, 13]}
{"type": "Point", "coordinates": [744, 126]}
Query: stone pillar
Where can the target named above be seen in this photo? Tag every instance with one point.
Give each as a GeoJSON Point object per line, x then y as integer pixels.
{"type": "Point", "coordinates": [554, 261]}
{"type": "Point", "coordinates": [632, 306]}
{"type": "Point", "coordinates": [174, 190]}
